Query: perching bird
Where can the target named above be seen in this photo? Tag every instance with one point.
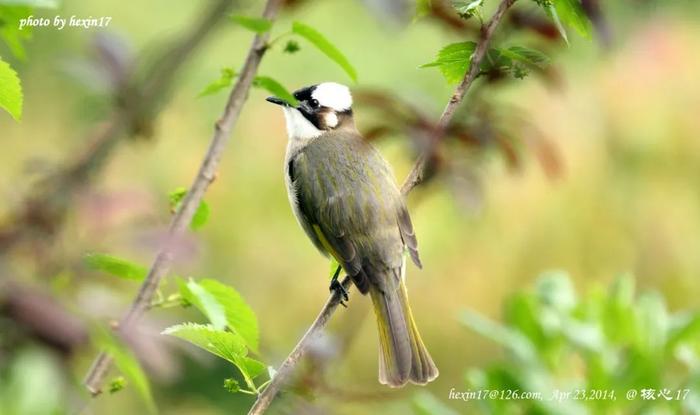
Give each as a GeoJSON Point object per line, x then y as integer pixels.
{"type": "Point", "coordinates": [344, 195]}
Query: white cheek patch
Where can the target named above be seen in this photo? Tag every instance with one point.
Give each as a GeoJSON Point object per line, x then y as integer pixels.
{"type": "Point", "coordinates": [298, 127]}
{"type": "Point", "coordinates": [333, 95]}
{"type": "Point", "coordinates": [331, 120]}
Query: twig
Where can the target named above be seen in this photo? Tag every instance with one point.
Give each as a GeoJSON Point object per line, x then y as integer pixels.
{"type": "Point", "coordinates": [417, 174]}
{"type": "Point", "coordinates": [43, 211]}
{"type": "Point", "coordinates": [183, 217]}
{"type": "Point", "coordinates": [414, 178]}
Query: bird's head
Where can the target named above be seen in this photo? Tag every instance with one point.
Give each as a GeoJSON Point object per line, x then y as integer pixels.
{"type": "Point", "coordinates": [322, 108]}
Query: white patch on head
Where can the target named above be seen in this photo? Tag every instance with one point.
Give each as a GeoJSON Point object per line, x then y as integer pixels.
{"type": "Point", "coordinates": [331, 119]}
{"type": "Point", "coordinates": [333, 95]}
{"type": "Point", "coordinates": [298, 127]}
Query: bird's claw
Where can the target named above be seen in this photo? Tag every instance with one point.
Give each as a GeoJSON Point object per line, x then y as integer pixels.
{"type": "Point", "coordinates": [340, 291]}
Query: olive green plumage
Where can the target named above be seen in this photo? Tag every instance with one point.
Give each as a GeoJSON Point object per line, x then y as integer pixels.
{"type": "Point", "coordinates": [344, 195]}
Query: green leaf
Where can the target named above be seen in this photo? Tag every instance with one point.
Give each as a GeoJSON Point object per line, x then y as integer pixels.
{"type": "Point", "coordinates": [572, 14]}
{"type": "Point", "coordinates": [116, 266]}
{"type": "Point", "coordinates": [10, 91]}
{"type": "Point", "coordinates": [467, 8]}
{"type": "Point", "coordinates": [619, 314]}
{"type": "Point", "coordinates": [453, 60]}
{"type": "Point", "coordinates": [224, 307]}
{"type": "Point", "coordinates": [254, 367]}
{"type": "Point", "coordinates": [554, 289]}
{"type": "Point", "coordinates": [201, 215]}
{"type": "Point", "coordinates": [255, 24]}
{"type": "Point", "coordinates": [205, 302]}
{"type": "Point", "coordinates": [10, 19]}
{"type": "Point", "coordinates": [117, 384]}
{"type": "Point", "coordinates": [652, 315]}
{"type": "Point", "coordinates": [683, 328]}
{"type": "Point", "coordinates": [325, 46]}
{"type": "Point", "coordinates": [225, 344]}
{"type": "Point", "coordinates": [504, 336]}
{"type": "Point", "coordinates": [291, 47]}
{"type": "Point", "coordinates": [128, 364]}
{"type": "Point", "coordinates": [225, 81]}
{"type": "Point", "coordinates": [33, 382]}
{"type": "Point", "coordinates": [275, 88]}
{"type": "Point", "coordinates": [526, 55]}
{"type": "Point", "coordinates": [552, 12]}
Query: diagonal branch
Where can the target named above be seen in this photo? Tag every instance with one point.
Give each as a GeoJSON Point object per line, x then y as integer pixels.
{"type": "Point", "coordinates": [414, 178]}
{"type": "Point", "coordinates": [205, 177]}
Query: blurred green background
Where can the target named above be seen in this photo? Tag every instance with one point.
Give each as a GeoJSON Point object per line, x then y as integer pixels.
{"type": "Point", "coordinates": [623, 123]}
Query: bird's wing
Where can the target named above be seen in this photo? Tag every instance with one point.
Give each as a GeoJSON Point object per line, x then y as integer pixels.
{"type": "Point", "coordinates": [298, 190]}
{"type": "Point", "coordinates": [319, 206]}
{"type": "Point", "coordinates": [347, 194]}
{"type": "Point", "coordinates": [408, 235]}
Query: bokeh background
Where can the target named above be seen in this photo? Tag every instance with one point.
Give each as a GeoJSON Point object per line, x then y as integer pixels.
{"type": "Point", "coordinates": [615, 191]}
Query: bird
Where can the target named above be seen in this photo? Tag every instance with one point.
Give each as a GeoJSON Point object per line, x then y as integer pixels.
{"type": "Point", "coordinates": [344, 196]}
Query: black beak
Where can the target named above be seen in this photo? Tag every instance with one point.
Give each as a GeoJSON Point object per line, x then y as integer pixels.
{"type": "Point", "coordinates": [278, 101]}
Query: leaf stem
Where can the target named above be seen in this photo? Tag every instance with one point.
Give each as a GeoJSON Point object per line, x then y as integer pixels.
{"type": "Point", "coordinates": [271, 43]}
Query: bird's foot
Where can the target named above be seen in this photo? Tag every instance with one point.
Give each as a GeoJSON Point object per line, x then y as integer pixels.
{"type": "Point", "coordinates": [340, 291]}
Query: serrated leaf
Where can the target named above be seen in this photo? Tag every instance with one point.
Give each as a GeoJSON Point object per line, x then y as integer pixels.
{"type": "Point", "coordinates": [225, 344]}
{"type": "Point", "coordinates": [201, 215]}
{"type": "Point", "coordinates": [255, 24]}
{"type": "Point", "coordinates": [129, 365]}
{"type": "Point", "coordinates": [453, 60]}
{"type": "Point", "coordinates": [224, 307]}
{"type": "Point", "coordinates": [205, 302]}
{"type": "Point", "coordinates": [225, 81]}
{"type": "Point", "coordinates": [572, 14]}
{"type": "Point", "coordinates": [325, 46]}
{"type": "Point", "coordinates": [115, 266]}
{"type": "Point", "coordinates": [275, 88]}
{"type": "Point", "coordinates": [526, 55]}
{"type": "Point", "coordinates": [10, 91]}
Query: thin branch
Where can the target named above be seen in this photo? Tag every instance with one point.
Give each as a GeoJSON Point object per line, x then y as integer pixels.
{"type": "Point", "coordinates": [414, 178]}
{"type": "Point", "coordinates": [183, 217]}
{"type": "Point", "coordinates": [417, 174]}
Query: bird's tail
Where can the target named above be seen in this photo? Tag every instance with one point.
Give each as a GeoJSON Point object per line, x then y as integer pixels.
{"type": "Point", "coordinates": [402, 356]}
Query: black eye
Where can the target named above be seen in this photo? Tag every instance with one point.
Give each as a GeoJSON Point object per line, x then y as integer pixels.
{"type": "Point", "coordinates": [313, 103]}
